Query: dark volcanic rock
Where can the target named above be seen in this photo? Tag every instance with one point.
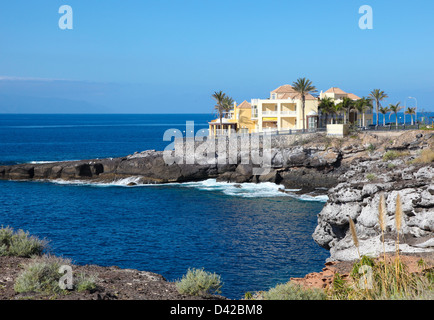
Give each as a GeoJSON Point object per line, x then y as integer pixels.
{"type": "Point", "coordinates": [309, 169]}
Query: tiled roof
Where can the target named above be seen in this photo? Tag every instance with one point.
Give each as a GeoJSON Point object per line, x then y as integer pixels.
{"type": "Point", "coordinates": [244, 105]}
{"type": "Point", "coordinates": [352, 96]}
{"type": "Point", "coordinates": [284, 89]}
{"type": "Point", "coordinates": [295, 95]}
{"type": "Point", "coordinates": [335, 90]}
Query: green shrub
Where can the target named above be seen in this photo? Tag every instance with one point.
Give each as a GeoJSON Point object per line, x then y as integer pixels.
{"type": "Point", "coordinates": [385, 281]}
{"type": "Point", "coordinates": [340, 288]}
{"type": "Point", "coordinates": [198, 282]}
{"type": "Point", "coordinates": [20, 243]}
{"type": "Point", "coordinates": [292, 291]}
{"type": "Point", "coordinates": [392, 155]}
{"type": "Point", "coordinates": [371, 176]}
{"type": "Point", "coordinates": [41, 275]}
{"type": "Point", "coordinates": [371, 148]}
{"type": "Point", "coordinates": [364, 261]}
{"type": "Point", "coordinates": [84, 282]}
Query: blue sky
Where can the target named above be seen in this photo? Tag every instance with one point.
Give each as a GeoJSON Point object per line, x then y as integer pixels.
{"type": "Point", "coordinates": [170, 56]}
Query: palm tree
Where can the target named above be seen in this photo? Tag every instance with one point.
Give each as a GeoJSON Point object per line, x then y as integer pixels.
{"type": "Point", "coordinates": [303, 87]}
{"type": "Point", "coordinates": [336, 109]}
{"type": "Point", "coordinates": [362, 105]}
{"type": "Point", "coordinates": [326, 107]}
{"type": "Point", "coordinates": [378, 95]}
{"type": "Point", "coordinates": [395, 109]}
{"type": "Point", "coordinates": [347, 105]}
{"type": "Point", "coordinates": [228, 103]}
{"type": "Point", "coordinates": [411, 111]}
{"type": "Point", "coordinates": [384, 111]}
{"type": "Point", "coordinates": [219, 97]}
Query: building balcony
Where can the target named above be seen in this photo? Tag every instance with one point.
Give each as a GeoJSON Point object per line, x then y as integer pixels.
{"type": "Point", "coordinates": [269, 113]}
{"type": "Point", "coordinates": [284, 113]}
{"type": "Point", "coordinates": [288, 113]}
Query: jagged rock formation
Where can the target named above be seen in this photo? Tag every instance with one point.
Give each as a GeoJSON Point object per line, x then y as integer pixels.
{"type": "Point", "coordinates": [296, 167]}
{"type": "Point", "coordinates": [358, 193]}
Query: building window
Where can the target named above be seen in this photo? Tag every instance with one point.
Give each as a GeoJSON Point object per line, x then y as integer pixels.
{"type": "Point", "coordinates": [255, 112]}
{"type": "Point", "coordinates": [273, 96]}
{"type": "Point", "coordinates": [312, 122]}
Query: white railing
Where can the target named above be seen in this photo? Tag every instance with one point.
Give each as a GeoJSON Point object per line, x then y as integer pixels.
{"type": "Point", "coordinates": [288, 113]}
{"type": "Point", "coordinates": [269, 113]}
{"type": "Point", "coordinates": [276, 113]}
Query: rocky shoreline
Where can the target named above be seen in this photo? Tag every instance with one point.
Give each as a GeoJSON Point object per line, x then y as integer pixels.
{"type": "Point", "coordinates": [295, 167]}
{"type": "Point", "coordinates": [393, 167]}
{"type": "Point", "coordinates": [113, 283]}
{"type": "Point", "coordinates": [355, 170]}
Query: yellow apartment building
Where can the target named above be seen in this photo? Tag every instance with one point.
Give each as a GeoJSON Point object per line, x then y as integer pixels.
{"type": "Point", "coordinates": [238, 119]}
{"type": "Point", "coordinates": [283, 111]}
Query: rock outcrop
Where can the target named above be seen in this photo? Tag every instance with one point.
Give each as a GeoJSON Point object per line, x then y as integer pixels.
{"type": "Point", "coordinates": [394, 167]}
{"type": "Point", "coordinates": [296, 167]}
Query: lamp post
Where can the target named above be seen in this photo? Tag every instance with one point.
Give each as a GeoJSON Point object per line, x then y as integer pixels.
{"type": "Point", "coordinates": [415, 112]}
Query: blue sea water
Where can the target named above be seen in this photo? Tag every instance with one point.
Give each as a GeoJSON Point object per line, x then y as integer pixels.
{"type": "Point", "coordinates": [254, 236]}
{"type": "Point", "coordinates": [423, 117]}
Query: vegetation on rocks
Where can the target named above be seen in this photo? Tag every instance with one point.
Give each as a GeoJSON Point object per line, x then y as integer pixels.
{"type": "Point", "coordinates": [20, 243]}
{"type": "Point", "coordinates": [198, 282]}
{"type": "Point", "coordinates": [291, 291]}
{"type": "Point", "coordinates": [385, 278]}
{"type": "Point", "coordinates": [42, 273]}
{"type": "Point", "coordinates": [426, 156]}
{"type": "Point", "coordinates": [392, 155]}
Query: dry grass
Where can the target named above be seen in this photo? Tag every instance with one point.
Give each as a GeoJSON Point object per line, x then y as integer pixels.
{"type": "Point", "coordinates": [354, 234]}
{"type": "Point", "coordinates": [387, 279]}
{"type": "Point", "coordinates": [426, 156]}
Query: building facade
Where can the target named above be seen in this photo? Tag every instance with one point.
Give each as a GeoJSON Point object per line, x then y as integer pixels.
{"type": "Point", "coordinates": [239, 119]}
{"type": "Point", "coordinates": [283, 111]}
{"type": "Point", "coordinates": [338, 95]}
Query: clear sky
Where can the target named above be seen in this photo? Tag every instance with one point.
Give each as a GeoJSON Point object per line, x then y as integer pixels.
{"type": "Point", "coordinates": [157, 56]}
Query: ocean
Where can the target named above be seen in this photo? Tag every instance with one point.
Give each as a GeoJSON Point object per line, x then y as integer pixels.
{"type": "Point", "coordinates": [255, 236]}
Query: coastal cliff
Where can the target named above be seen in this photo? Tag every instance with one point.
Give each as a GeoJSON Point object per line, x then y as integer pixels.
{"type": "Point", "coordinates": [401, 164]}
{"type": "Point", "coordinates": [354, 170]}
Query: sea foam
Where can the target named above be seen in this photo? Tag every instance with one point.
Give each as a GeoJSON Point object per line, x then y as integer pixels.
{"type": "Point", "coordinates": [244, 190]}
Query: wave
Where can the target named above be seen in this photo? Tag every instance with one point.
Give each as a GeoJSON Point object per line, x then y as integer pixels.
{"type": "Point", "coordinates": [308, 196]}
{"type": "Point", "coordinates": [319, 198]}
{"type": "Point", "coordinates": [244, 190]}
{"type": "Point", "coordinates": [42, 162]}
{"type": "Point", "coordinates": [134, 181]}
